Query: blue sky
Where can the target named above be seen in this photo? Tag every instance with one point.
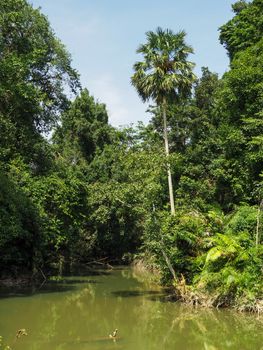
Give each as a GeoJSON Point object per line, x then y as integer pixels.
{"type": "Point", "coordinates": [103, 35]}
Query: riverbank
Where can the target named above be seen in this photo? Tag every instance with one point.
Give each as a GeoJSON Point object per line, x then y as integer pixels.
{"type": "Point", "coordinates": [194, 295]}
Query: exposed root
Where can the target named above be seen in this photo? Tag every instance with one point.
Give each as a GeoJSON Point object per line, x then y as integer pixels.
{"type": "Point", "coordinates": [194, 297]}
{"type": "Point", "coordinates": [255, 306]}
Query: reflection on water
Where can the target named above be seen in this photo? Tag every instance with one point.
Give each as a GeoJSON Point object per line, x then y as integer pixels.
{"type": "Point", "coordinates": [80, 313]}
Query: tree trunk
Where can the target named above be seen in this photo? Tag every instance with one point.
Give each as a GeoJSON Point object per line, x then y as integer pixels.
{"type": "Point", "coordinates": [170, 182]}
{"type": "Point", "coordinates": [260, 207]}
{"type": "Point", "coordinates": [169, 264]}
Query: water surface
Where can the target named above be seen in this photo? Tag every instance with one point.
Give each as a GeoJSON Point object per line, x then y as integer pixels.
{"type": "Point", "coordinates": [80, 313]}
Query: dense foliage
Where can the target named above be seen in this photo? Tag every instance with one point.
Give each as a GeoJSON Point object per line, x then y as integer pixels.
{"type": "Point", "coordinates": [73, 189]}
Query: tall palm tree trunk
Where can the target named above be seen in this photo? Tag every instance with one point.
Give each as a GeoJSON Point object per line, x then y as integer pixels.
{"type": "Point", "coordinates": [260, 209]}
{"type": "Point", "coordinates": [170, 182]}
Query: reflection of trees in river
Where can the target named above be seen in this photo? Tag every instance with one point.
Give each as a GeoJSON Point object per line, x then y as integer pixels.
{"type": "Point", "coordinates": [164, 325]}
{"type": "Point", "coordinates": [188, 328]}
{"type": "Point", "coordinates": [83, 318]}
{"type": "Point", "coordinates": [223, 329]}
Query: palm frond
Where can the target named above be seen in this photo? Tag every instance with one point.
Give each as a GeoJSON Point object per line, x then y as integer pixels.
{"type": "Point", "coordinates": [164, 70]}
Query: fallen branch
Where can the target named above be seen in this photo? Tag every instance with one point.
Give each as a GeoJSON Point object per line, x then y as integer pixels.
{"type": "Point", "coordinates": [100, 262]}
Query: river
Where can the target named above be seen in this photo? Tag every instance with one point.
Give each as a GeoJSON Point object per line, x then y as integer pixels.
{"type": "Point", "coordinates": [80, 312]}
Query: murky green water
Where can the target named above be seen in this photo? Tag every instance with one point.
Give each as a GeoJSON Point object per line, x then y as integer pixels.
{"type": "Point", "coordinates": [81, 312]}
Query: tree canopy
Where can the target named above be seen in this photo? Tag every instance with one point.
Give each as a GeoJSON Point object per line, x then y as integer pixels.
{"type": "Point", "coordinates": [164, 71]}
{"type": "Point", "coordinates": [88, 191]}
{"type": "Point", "coordinates": [34, 71]}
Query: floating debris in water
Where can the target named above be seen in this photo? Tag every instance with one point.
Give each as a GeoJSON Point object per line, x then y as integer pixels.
{"type": "Point", "coordinates": [114, 334]}
{"type": "Point", "coordinates": [21, 332]}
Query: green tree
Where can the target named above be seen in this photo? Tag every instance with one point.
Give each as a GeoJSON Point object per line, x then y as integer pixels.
{"type": "Point", "coordinates": [125, 180]}
{"type": "Point", "coordinates": [244, 29]}
{"type": "Point", "coordinates": [35, 68]}
{"type": "Point", "coordinates": [239, 102]}
{"type": "Point", "coordinates": [84, 129]}
{"type": "Point", "coordinates": [20, 236]}
{"type": "Point", "coordinates": [165, 74]}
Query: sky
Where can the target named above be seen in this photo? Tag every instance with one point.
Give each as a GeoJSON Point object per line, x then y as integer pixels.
{"type": "Point", "coordinates": [102, 37]}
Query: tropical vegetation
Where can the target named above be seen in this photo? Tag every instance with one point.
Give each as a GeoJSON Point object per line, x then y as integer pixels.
{"type": "Point", "coordinates": [74, 189]}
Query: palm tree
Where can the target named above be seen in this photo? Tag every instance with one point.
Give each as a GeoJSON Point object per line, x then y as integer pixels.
{"type": "Point", "coordinates": [164, 75]}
